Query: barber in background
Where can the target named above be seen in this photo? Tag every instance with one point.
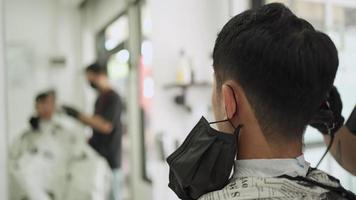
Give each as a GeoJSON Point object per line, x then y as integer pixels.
{"type": "Point", "coordinates": [106, 123]}
{"type": "Point", "coordinates": [344, 145]}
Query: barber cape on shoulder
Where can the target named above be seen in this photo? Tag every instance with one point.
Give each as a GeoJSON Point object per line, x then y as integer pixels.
{"type": "Point", "coordinates": [282, 188]}
{"type": "Point", "coordinates": [54, 163]}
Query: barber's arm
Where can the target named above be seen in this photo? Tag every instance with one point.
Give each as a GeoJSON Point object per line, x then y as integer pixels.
{"type": "Point", "coordinates": [96, 122]}
{"type": "Point", "coordinates": [344, 149]}
{"type": "Point", "coordinates": [344, 145]}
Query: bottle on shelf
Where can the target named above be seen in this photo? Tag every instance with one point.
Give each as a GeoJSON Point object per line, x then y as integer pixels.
{"type": "Point", "coordinates": [184, 69]}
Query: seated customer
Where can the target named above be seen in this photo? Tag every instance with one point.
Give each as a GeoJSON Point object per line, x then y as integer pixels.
{"type": "Point", "coordinates": [48, 162]}
{"type": "Point", "coordinates": [272, 72]}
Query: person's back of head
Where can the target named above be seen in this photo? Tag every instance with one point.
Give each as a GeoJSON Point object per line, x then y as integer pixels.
{"type": "Point", "coordinates": [284, 66]}
{"type": "Point", "coordinates": [273, 71]}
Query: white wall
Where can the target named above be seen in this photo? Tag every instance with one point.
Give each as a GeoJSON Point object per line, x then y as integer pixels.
{"type": "Point", "coordinates": [3, 133]}
{"type": "Point", "coordinates": [36, 31]}
{"type": "Point", "coordinates": [193, 29]}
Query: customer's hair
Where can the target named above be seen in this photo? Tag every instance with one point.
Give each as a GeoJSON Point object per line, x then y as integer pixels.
{"type": "Point", "coordinates": [283, 64]}
{"type": "Point", "coordinates": [43, 95]}
{"type": "Point", "coordinates": [96, 68]}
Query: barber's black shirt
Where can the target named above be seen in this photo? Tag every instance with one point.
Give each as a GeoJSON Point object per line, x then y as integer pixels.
{"type": "Point", "coordinates": [108, 105]}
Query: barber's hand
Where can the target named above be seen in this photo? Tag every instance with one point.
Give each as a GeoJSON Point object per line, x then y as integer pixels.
{"type": "Point", "coordinates": [34, 122]}
{"type": "Point", "coordinates": [71, 111]}
{"type": "Point", "coordinates": [329, 120]}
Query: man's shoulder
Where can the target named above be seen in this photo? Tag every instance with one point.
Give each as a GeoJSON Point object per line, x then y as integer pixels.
{"type": "Point", "coordinates": [111, 96]}
{"type": "Point", "coordinates": [323, 177]}
{"type": "Point", "coordinates": [273, 188]}
{"type": "Point", "coordinates": [28, 135]}
{"type": "Point", "coordinates": [112, 93]}
{"type": "Point", "coordinates": [22, 142]}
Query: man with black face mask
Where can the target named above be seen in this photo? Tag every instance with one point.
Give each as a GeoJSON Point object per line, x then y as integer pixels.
{"type": "Point", "coordinates": [272, 72]}
{"type": "Point", "coordinates": [106, 123]}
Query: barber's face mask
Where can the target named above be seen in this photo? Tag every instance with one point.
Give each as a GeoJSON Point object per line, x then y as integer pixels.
{"type": "Point", "coordinates": [204, 161]}
{"type": "Point", "coordinates": [93, 85]}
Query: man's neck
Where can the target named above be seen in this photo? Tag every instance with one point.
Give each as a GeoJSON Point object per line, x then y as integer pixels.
{"type": "Point", "coordinates": [253, 145]}
{"type": "Point", "coordinates": [105, 89]}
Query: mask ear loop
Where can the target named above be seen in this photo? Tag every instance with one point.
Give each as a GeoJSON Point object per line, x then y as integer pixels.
{"type": "Point", "coordinates": [220, 121]}
{"type": "Point", "coordinates": [236, 129]}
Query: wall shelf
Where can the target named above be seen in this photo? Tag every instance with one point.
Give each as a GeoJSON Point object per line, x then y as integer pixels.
{"type": "Point", "coordinates": [180, 99]}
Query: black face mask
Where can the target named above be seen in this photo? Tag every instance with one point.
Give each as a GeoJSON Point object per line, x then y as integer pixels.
{"type": "Point", "coordinates": [93, 85]}
{"type": "Point", "coordinates": [204, 161]}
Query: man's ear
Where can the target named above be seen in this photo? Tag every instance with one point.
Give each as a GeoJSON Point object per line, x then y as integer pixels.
{"type": "Point", "coordinates": [230, 101]}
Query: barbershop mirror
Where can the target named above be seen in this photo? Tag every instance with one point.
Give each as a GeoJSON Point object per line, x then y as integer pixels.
{"type": "Point", "coordinates": [52, 153]}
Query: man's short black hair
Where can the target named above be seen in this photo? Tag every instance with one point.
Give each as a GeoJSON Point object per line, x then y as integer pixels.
{"type": "Point", "coordinates": [44, 95]}
{"type": "Point", "coordinates": [96, 68]}
{"type": "Point", "coordinates": [283, 64]}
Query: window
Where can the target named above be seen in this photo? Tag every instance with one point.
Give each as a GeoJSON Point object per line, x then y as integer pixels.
{"type": "Point", "coordinates": [112, 50]}
{"type": "Point", "coordinates": [116, 33]}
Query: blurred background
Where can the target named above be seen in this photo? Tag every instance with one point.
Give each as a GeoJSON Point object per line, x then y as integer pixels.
{"type": "Point", "coordinates": [158, 57]}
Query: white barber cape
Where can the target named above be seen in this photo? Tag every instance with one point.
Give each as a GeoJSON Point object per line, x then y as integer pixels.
{"type": "Point", "coordinates": [259, 179]}
{"type": "Point", "coordinates": [53, 164]}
